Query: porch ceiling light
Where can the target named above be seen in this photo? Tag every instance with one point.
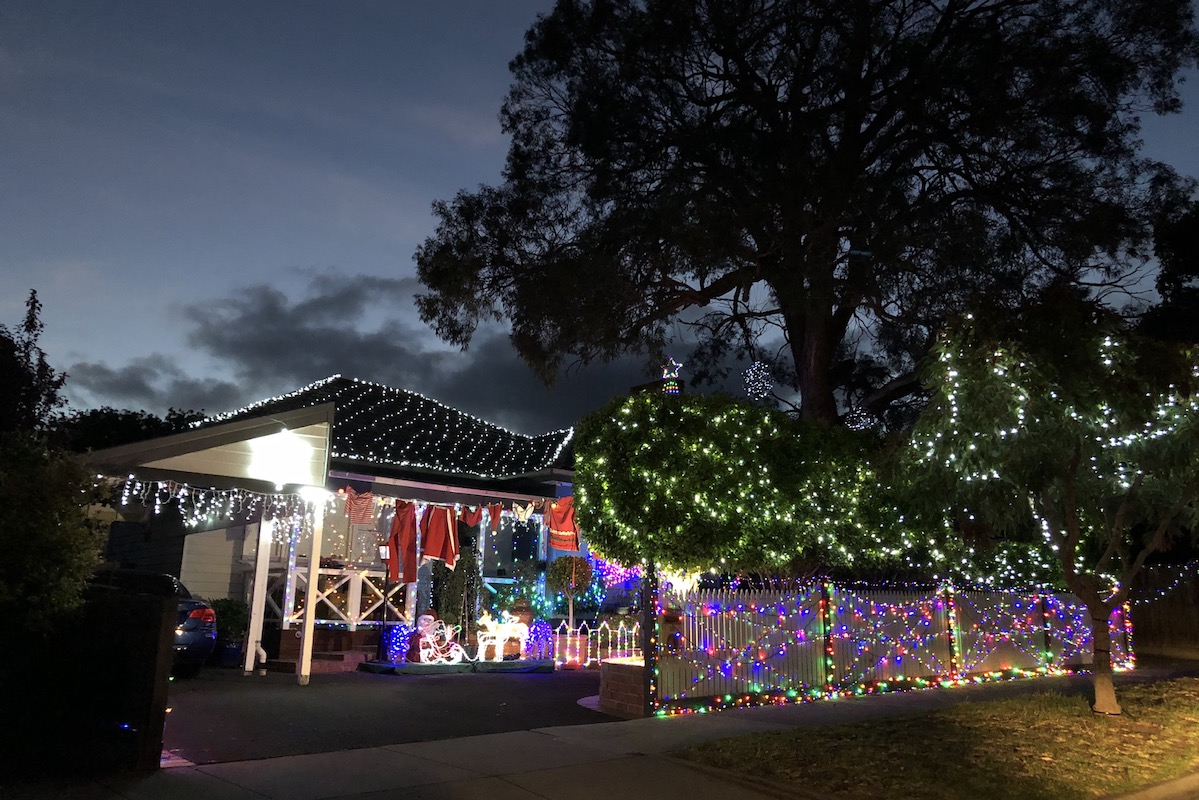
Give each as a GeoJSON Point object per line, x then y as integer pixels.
{"type": "Point", "coordinates": [280, 458]}
{"type": "Point", "coordinates": [314, 494]}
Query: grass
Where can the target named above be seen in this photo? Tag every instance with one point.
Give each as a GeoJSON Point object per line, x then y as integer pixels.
{"type": "Point", "coordinates": [1040, 746]}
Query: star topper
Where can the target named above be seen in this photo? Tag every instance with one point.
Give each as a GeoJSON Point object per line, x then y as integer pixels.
{"type": "Point", "coordinates": [670, 370]}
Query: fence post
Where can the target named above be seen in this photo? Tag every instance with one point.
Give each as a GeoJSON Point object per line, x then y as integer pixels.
{"type": "Point", "coordinates": [1045, 630]}
{"type": "Point", "coordinates": [1129, 656]}
{"type": "Point", "coordinates": [649, 638]}
{"type": "Point", "coordinates": [951, 629]}
{"type": "Point", "coordinates": [826, 624]}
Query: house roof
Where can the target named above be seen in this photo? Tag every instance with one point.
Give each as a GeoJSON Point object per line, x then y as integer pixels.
{"type": "Point", "coordinates": [381, 426]}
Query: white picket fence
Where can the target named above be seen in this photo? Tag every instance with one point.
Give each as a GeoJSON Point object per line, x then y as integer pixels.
{"type": "Point", "coordinates": [584, 645]}
{"type": "Point", "coordinates": [787, 643]}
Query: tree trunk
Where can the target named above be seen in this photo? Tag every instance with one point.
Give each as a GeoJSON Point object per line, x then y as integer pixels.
{"type": "Point", "coordinates": [570, 610]}
{"type": "Point", "coordinates": [811, 350]}
{"type": "Point", "coordinates": [1105, 689]}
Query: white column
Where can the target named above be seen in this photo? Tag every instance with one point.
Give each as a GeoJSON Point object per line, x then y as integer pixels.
{"type": "Point", "coordinates": [262, 563]}
{"type": "Point", "coordinates": [410, 603]}
{"type": "Point", "coordinates": [303, 672]}
{"type": "Point", "coordinates": [354, 597]}
{"type": "Point", "coordinates": [289, 585]}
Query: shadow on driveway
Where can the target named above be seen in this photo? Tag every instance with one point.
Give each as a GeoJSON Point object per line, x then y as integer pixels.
{"type": "Point", "coordinates": [222, 715]}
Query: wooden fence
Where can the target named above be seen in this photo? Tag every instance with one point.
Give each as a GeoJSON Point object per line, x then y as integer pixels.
{"type": "Point", "coordinates": [1165, 608]}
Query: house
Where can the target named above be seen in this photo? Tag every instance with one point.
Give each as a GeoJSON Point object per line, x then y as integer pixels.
{"type": "Point", "coordinates": [299, 491]}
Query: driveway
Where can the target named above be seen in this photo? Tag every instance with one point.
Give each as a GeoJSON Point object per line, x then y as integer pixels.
{"type": "Point", "coordinates": [222, 715]}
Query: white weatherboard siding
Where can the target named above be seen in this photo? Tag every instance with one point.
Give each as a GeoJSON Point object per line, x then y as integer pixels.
{"type": "Point", "coordinates": [211, 563]}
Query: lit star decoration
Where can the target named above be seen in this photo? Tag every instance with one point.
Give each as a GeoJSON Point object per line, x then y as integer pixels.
{"type": "Point", "coordinates": [670, 376]}
{"type": "Point", "coordinates": [759, 382]}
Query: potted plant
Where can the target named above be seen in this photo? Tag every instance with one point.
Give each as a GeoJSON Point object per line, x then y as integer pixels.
{"type": "Point", "coordinates": [569, 576]}
{"type": "Point", "coordinates": [232, 622]}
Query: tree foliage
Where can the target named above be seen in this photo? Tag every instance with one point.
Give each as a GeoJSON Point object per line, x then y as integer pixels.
{"type": "Point", "coordinates": [1067, 432]}
{"type": "Point", "coordinates": [815, 183]}
{"type": "Point", "coordinates": [692, 483]}
{"type": "Point", "coordinates": [29, 386]}
{"type": "Point", "coordinates": [98, 428]}
{"type": "Point", "coordinates": [50, 546]}
{"type": "Point", "coordinates": [1176, 244]}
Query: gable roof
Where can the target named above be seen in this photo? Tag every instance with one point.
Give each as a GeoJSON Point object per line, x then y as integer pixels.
{"type": "Point", "coordinates": [378, 425]}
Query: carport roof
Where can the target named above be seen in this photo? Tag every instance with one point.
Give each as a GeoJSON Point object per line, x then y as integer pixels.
{"type": "Point", "coordinates": [376, 425]}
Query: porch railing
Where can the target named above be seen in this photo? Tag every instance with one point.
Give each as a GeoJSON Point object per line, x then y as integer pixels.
{"type": "Point", "coordinates": [344, 597]}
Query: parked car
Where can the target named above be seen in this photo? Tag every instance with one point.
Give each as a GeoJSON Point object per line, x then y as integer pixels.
{"type": "Point", "coordinates": [195, 619]}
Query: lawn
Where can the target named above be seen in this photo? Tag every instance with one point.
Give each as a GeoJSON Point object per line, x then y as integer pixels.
{"type": "Point", "coordinates": [1041, 746]}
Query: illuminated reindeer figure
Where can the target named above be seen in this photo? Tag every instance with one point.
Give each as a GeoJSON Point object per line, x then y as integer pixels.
{"type": "Point", "coordinates": [495, 634]}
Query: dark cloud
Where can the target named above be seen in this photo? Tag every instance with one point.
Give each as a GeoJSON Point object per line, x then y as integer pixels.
{"type": "Point", "coordinates": [490, 381]}
{"type": "Point", "coordinates": [269, 342]}
{"type": "Point", "coordinates": [153, 383]}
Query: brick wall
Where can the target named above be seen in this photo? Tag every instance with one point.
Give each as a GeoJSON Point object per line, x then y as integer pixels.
{"type": "Point", "coordinates": [622, 687]}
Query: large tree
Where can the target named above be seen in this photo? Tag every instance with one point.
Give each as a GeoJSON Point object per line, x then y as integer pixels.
{"type": "Point", "coordinates": [1176, 245]}
{"type": "Point", "coordinates": [1066, 432]}
{"type": "Point", "coordinates": [821, 179]}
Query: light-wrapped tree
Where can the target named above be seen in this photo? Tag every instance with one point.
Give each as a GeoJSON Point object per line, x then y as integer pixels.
{"type": "Point", "coordinates": [691, 483]}
{"type": "Point", "coordinates": [1064, 431]}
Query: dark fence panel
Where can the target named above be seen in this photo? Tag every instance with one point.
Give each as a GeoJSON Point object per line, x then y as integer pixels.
{"type": "Point", "coordinates": [91, 696]}
{"type": "Point", "coordinates": [1165, 610]}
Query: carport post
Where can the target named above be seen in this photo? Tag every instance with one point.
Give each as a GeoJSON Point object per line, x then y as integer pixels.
{"type": "Point", "coordinates": [262, 563]}
{"type": "Point", "coordinates": [304, 670]}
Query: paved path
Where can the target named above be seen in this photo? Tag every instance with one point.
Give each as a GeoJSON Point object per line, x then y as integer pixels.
{"type": "Point", "coordinates": [222, 716]}
{"type": "Point", "coordinates": [569, 762]}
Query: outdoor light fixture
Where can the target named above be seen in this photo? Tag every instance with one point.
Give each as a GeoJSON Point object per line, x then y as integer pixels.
{"type": "Point", "coordinates": [315, 494]}
{"type": "Point", "coordinates": [384, 556]}
{"type": "Point", "coordinates": [280, 458]}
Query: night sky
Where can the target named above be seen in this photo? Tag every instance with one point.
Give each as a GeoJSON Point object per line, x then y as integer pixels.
{"type": "Point", "coordinates": [218, 202]}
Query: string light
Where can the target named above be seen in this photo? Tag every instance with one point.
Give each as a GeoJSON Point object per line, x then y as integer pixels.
{"type": "Point", "coordinates": [859, 419]}
{"type": "Point", "coordinates": [827, 640]}
{"type": "Point", "coordinates": [759, 380]}
{"type": "Point", "coordinates": [995, 418]}
{"type": "Point", "coordinates": [700, 482]}
{"type": "Point", "coordinates": [397, 427]}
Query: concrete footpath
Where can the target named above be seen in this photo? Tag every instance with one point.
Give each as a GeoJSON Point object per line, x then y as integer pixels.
{"type": "Point", "coordinates": [571, 762]}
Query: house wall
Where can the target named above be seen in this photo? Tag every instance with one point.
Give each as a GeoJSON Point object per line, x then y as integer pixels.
{"type": "Point", "coordinates": [211, 564]}
{"type": "Point", "coordinates": [155, 544]}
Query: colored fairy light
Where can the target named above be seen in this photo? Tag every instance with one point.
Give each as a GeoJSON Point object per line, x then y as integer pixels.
{"type": "Point", "coordinates": [830, 640]}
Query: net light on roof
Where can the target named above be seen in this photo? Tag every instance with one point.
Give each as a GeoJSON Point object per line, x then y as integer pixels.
{"type": "Point", "coordinates": [378, 424]}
